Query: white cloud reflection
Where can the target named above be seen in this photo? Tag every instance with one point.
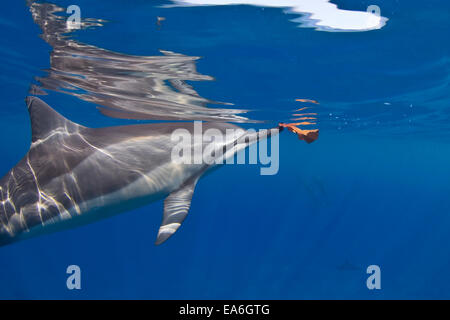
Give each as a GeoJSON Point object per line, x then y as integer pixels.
{"type": "Point", "coordinates": [319, 14]}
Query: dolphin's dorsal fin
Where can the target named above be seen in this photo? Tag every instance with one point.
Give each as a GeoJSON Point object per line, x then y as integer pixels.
{"type": "Point", "coordinates": [44, 119]}
{"type": "Point", "coordinates": [176, 207]}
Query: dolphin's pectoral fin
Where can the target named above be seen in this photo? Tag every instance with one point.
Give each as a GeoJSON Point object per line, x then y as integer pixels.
{"type": "Point", "coordinates": [176, 207]}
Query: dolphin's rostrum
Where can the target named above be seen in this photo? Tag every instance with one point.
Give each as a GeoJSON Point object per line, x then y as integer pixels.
{"type": "Point", "coordinates": [73, 175]}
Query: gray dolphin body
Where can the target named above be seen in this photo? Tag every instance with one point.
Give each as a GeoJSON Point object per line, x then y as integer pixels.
{"type": "Point", "coordinates": [73, 175]}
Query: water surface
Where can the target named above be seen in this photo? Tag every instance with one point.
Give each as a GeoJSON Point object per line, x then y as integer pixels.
{"type": "Point", "coordinates": [373, 189]}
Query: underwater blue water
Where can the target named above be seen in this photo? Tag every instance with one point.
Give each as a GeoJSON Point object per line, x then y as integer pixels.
{"type": "Point", "coordinates": [373, 189]}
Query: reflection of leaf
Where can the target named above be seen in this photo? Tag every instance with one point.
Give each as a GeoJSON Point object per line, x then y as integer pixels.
{"type": "Point", "coordinates": [307, 100]}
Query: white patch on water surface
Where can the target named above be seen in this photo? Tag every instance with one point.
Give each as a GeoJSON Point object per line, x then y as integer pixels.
{"type": "Point", "coordinates": [319, 14]}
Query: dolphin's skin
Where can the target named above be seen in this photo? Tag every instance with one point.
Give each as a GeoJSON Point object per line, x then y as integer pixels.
{"type": "Point", "coordinates": [73, 175]}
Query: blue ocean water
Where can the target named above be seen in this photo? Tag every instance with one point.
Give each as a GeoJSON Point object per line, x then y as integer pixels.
{"type": "Point", "coordinates": [372, 190]}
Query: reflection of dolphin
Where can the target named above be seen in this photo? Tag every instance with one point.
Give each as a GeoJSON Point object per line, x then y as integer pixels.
{"type": "Point", "coordinates": [124, 86]}
{"type": "Point", "coordinates": [73, 175]}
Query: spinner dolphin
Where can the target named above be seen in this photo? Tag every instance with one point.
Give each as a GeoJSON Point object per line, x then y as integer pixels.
{"type": "Point", "coordinates": [73, 175]}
